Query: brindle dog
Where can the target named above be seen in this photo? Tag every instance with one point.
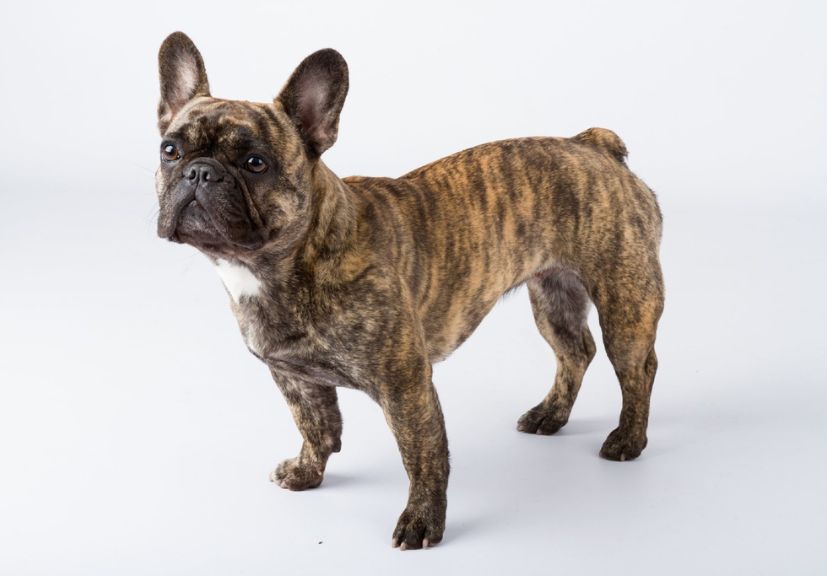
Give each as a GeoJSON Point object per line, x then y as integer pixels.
{"type": "Point", "coordinates": [366, 282]}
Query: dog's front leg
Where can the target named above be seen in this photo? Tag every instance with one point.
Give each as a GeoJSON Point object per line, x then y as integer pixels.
{"type": "Point", "coordinates": [315, 409]}
{"type": "Point", "coordinates": [413, 413]}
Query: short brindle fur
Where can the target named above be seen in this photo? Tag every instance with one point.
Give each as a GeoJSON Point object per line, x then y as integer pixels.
{"type": "Point", "coordinates": [366, 282]}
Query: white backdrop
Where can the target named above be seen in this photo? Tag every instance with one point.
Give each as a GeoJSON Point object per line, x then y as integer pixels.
{"type": "Point", "coordinates": [136, 432]}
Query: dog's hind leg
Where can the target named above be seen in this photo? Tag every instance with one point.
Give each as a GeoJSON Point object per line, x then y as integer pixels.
{"type": "Point", "coordinates": [629, 307]}
{"type": "Point", "coordinates": [560, 304]}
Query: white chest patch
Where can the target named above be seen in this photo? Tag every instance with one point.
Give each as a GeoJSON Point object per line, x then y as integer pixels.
{"type": "Point", "coordinates": [239, 280]}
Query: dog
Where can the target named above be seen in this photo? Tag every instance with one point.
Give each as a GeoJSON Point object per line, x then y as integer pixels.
{"type": "Point", "coordinates": [367, 282]}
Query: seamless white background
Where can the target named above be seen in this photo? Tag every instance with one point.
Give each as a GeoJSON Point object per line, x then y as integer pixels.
{"type": "Point", "coordinates": [136, 432]}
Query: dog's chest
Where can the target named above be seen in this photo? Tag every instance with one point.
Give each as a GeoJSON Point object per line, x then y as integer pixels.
{"type": "Point", "coordinates": [239, 280]}
{"type": "Point", "coordinates": [270, 331]}
{"type": "Point", "coordinates": [246, 291]}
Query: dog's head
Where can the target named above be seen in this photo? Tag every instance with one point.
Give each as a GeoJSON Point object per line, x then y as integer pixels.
{"type": "Point", "coordinates": [235, 176]}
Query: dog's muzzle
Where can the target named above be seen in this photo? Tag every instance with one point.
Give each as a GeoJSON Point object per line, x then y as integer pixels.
{"type": "Point", "coordinates": [207, 200]}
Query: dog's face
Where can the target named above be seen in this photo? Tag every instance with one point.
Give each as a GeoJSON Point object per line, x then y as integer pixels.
{"type": "Point", "coordinates": [236, 177]}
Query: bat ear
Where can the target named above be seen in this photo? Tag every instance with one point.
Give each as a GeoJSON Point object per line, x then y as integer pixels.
{"type": "Point", "coordinates": [183, 76]}
{"type": "Point", "coordinates": [313, 98]}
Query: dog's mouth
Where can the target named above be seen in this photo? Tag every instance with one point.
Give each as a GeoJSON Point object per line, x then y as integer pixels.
{"type": "Point", "coordinates": [192, 223]}
{"type": "Point", "coordinates": [207, 218]}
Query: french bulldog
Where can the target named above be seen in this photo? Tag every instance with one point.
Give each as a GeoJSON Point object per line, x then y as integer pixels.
{"type": "Point", "coordinates": [367, 282]}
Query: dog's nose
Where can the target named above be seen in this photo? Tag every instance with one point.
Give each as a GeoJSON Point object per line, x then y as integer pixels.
{"type": "Point", "coordinates": [202, 172]}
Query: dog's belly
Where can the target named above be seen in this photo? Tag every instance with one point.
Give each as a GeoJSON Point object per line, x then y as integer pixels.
{"type": "Point", "coordinates": [453, 314]}
{"type": "Point", "coordinates": [442, 340]}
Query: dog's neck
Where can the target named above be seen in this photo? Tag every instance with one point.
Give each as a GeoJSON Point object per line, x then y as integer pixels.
{"type": "Point", "coordinates": [334, 218]}
{"type": "Point", "coordinates": [318, 251]}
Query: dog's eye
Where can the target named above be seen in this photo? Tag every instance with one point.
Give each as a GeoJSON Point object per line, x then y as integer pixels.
{"type": "Point", "coordinates": [255, 164]}
{"type": "Point", "coordinates": [169, 153]}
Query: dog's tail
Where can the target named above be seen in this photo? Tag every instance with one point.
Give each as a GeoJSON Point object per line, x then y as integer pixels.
{"type": "Point", "coordinates": [605, 140]}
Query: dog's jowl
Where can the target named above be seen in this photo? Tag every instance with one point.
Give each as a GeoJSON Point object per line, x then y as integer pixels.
{"type": "Point", "coordinates": [366, 282]}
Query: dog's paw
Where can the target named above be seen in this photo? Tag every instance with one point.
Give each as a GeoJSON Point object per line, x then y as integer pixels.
{"type": "Point", "coordinates": [419, 527]}
{"type": "Point", "coordinates": [294, 475]}
{"type": "Point", "coordinates": [622, 445]}
{"type": "Point", "coordinates": [542, 420]}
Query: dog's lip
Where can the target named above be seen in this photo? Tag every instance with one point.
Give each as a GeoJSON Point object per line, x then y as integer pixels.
{"type": "Point", "coordinates": [172, 233]}
{"type": "Point", "coordinates": [170, 214]}
{"type": "Point", "coordinates": [174, 236]}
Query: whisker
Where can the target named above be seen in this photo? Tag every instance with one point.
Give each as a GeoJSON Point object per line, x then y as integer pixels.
{"type": "Point", "coordinates": [153, 214]}
{"type": "Point", "coordinates": [141, 167]}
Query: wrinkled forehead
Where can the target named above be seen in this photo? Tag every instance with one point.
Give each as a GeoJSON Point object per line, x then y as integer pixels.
{"type": "Point", "coordinates": [227, 123]}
